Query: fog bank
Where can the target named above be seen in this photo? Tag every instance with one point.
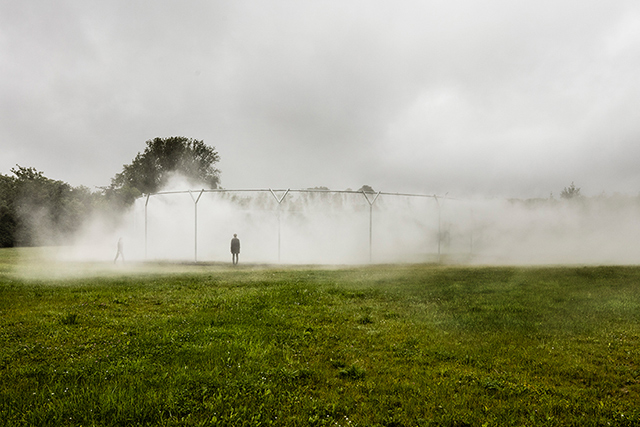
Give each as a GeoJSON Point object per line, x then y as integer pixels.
{"type": "Point", "coordinates": [350, 228]}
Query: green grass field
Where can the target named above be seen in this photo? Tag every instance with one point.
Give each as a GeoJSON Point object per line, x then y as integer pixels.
{"type": "Point", "coordinates": [383, 345]}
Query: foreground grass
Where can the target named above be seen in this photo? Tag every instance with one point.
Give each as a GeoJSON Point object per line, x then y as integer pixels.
{"type": "Point", "coordinates": [366, 346]}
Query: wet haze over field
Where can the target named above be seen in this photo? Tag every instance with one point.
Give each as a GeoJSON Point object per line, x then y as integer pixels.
{"type": "Point", "coordinates": [483, 101]}
{"type": "Point", "coordinates": [334, 228]}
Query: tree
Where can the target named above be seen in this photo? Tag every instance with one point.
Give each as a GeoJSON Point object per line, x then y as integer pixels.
{"type": "Point", "coordinates": [37, 210]}
{"type": "Point", "coordinates": [366, 189]}
{"type": "Point", "coordinates": [571, 192]}
{"type": "Point", "coordinates": [162, 158]}
{"type": "Point", "coordinates": [8, 221]}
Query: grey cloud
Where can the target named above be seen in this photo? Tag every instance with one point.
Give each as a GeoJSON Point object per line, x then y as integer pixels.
{"type": "Point", "coordinates": [494, 97]}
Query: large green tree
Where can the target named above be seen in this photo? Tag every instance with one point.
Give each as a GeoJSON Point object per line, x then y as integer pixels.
{"type": "Point", "coordinates": [8, 220]}
{"type": "Point", "coordinates": [164, 157]}
{"type": "Point", "coordinates": [37, 210]}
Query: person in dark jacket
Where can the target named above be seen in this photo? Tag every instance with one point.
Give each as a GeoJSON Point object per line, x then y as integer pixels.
{"type": "Point", "coordinates": [235, 249]}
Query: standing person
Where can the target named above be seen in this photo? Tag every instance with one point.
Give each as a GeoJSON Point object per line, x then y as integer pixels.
{"type": "Point", "coordinates": [235, 249]}
{"type": "Point", "coordinates": [120, 252]}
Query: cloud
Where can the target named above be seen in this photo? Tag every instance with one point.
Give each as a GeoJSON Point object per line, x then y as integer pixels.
{"type": "Point", "coordinates": [495, 97]}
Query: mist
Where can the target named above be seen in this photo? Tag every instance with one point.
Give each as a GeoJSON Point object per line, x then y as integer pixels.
{"type": "Point", "coordinates": [349, 228]}
{"type": "Point", "coordinates": [600, 230]}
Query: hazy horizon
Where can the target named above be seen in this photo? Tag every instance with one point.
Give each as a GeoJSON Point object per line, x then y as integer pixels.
{"type": "Point", "coordinates": [497, 99]}
{"type": "Point", "coordinates": [335, 228]}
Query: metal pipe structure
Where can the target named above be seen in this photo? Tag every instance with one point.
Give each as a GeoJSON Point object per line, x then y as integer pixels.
{"type": "Point", "coordinates": [371, 202]}
{"type": "Point", "coordinates": [439, 224]}
{"type": "Point", "coordinates": [439, 227]}
{"type": "Point", "coordinates": [146, 203]}
{"type": "Point", "coordinates": [195, 231]}
{"type": "Point", "coordinates": [471, 234]}
{"type": "Point", "coordinates": [262, 190]}
{"type": "Point", "coordinates": [273, 192]}
{"type": "Point", "coordinates": [279, 200]}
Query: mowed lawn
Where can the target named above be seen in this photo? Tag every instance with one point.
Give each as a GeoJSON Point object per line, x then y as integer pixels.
{"type": "Point", "coordinates": [381, 345]}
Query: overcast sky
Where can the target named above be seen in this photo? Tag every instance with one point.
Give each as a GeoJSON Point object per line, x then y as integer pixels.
{"type": "Point", "coordinates": [502, 98]}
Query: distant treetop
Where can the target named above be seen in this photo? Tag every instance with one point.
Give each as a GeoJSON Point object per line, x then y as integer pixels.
{"type": "Point", "coordinates": [366, 189]}
{"type": "Point", "coordinates": [571, 192]}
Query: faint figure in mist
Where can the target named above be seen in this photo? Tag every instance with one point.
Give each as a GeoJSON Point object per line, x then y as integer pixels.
{"type": "Point", "coordinates": [120, 252]}
{"type": "Point", "coordinates": [235, 249]}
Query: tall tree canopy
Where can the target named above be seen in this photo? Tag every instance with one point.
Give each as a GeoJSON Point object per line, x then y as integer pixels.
{"type": "Point", "coordinates": [150, 170]}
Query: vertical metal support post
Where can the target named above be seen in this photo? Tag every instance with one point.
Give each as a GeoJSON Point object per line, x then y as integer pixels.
{"type": "Point", "coordinates": [471, 235]}
{"type": "Point", "coordinates": [370, 233]}
{"type": "Point", "coordinates": [195, 228]}
{"type": "Point", "coordinates": [279, 200]}
{"type": "Point", "coordinates": [439, 225]}
{"type": "Point", "coordinates": [146, 203]}
{"type": "Point", "coordinates": [371, 202]}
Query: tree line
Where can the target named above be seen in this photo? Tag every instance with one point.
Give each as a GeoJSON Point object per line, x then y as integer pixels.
{"type": "Point", "coordinates": [36, 210]}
